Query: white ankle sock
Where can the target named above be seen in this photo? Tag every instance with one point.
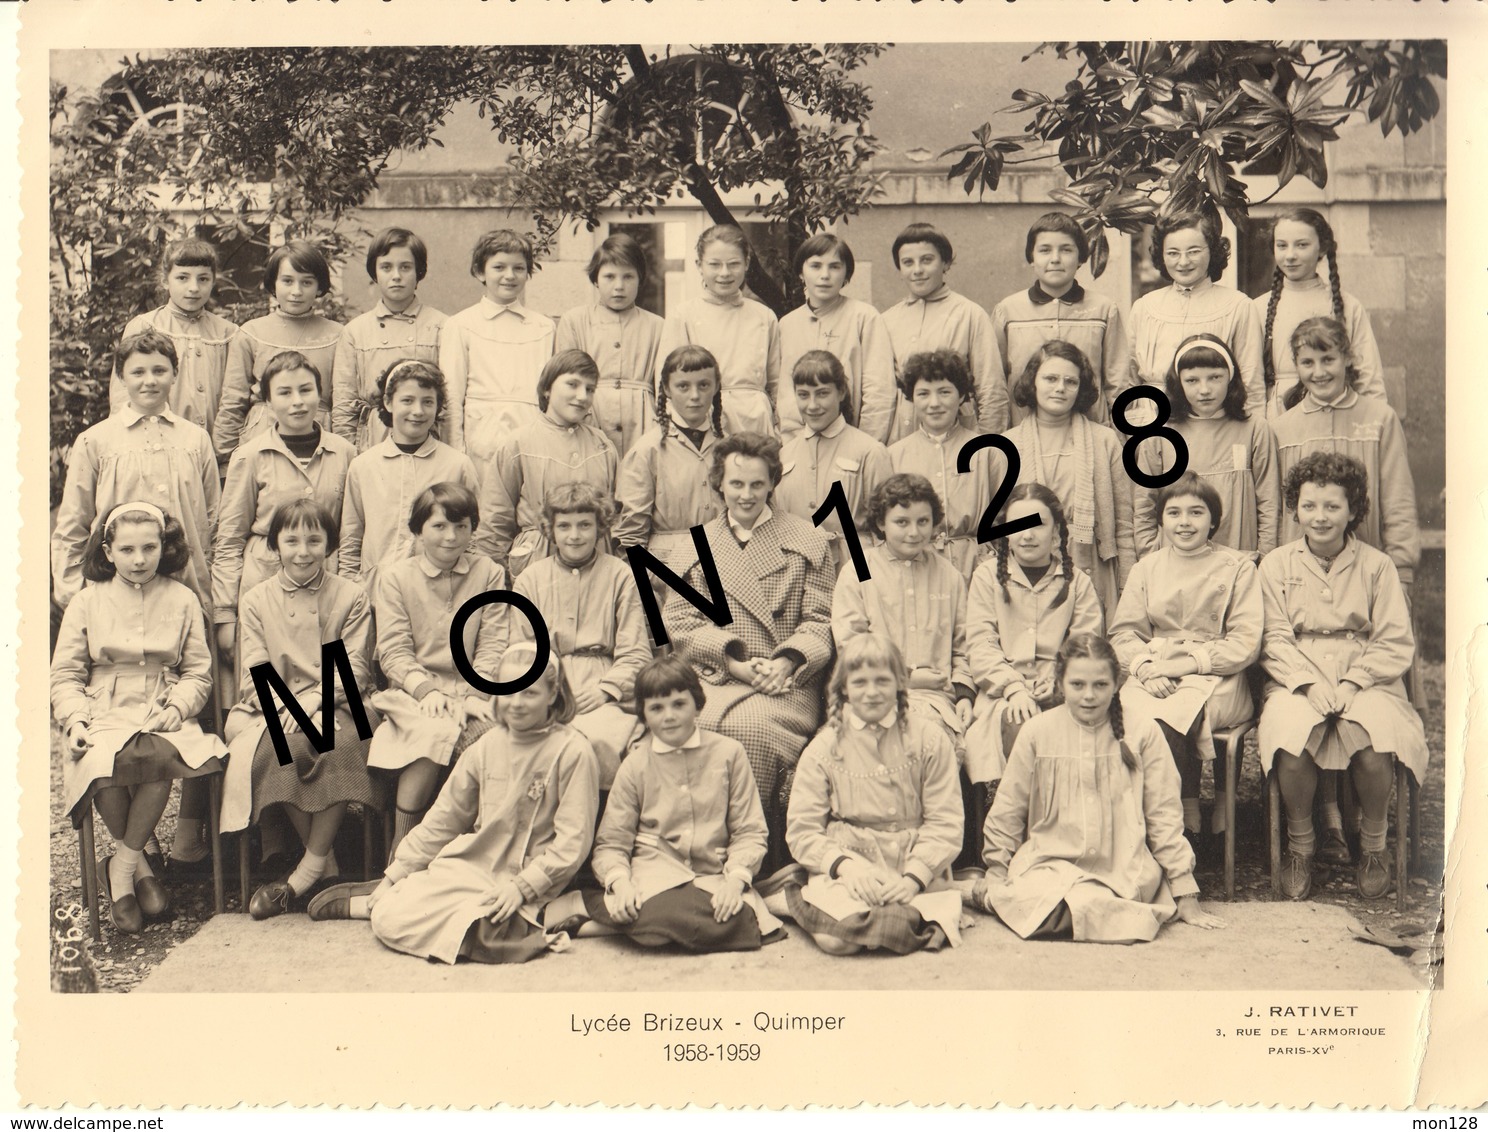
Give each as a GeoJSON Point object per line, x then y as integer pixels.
{"type": "Point", "coordinates": [1332, 816]}
{"type": "Point", "coordinates": [310, 869]}
{"type": "Point", "coordinates": [122, 870]}
{"type": "Point", "coordinates": [1301, 837]}
{"type": "Point", "coordinates": [1372, 834]}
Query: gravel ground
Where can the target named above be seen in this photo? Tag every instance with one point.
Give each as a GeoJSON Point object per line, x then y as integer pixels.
{"type": "Point", "coordinates": [121, 961]}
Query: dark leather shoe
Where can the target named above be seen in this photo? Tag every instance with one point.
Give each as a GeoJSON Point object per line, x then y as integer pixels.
{"type": "Point", "coordinates": [270, 900]}
{"type": "Point", "coordinates": [1296, 876]}
{"type": "Point", "coordinates": [177, 869]}
{"type": "Point", "coordinates": [124, 912]}
{"type": "Point", "coordinates": [154, 898]}
{"type": "Point", "coordinates": [334, 903]}
{"type": "Point", "coordinates": [1373, 876]}
{"type": "Point", "coordinates": [1334, 850]}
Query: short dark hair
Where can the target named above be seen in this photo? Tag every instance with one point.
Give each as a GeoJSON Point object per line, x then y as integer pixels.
{"type": "Point", "coordinates": [390, 238]}
{"type": "Point", "coordinates": [500, 240]}
{"type": "Point", "coordinates": [455, 499]}
{"type": "Point", "coordinates": [750, 446]}
{"type": "Point", "coordinates": [937, 365]}
{"type": "Point", "coordinates": [565, 361]}
{"type": "Point", "coordinates": [824, 243]}
{"type": "Point", "coordinates": [426, 374]}
{"type": "Point", "coordinates": [1062, 223]}
{"type": "Point", "coordinates": [1023, 389]}
{"type": "Point", "coordinates": [174, 551]}
{"type": "Point", "coordinates": [577, 498]}
{"type": "Point", "coordinates": [305, 258]}
{"type": "Point", "coordinates": [191, 252]}
{"type": "Point", "coordinates": [304, 514]}
{"type": "Point", "coordinates": [662, 677]}
{"type": "Point", "coordinates": [900, 491]}
{"type": "Point", "coordinates": [822, 367]}
{"type": "Point", "coordinates": [1207, 222]}
{"type": "Point", "coordinates": [920, 233]}
{"type": "Point", "coordinates": [619, 250]}
{"type": "Point", "coordinates": [148, 341]}
{"type": "Point", "coordinates": [1323, 468]}
{"type": "Point", "coordinates": [1205, 357]}
{"type": "Point", "coordinates": [1191, 483]}
{"type": "Point", "coordinates": [286, 362]}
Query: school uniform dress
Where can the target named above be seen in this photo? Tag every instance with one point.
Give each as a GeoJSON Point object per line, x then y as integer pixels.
{"type": "Point", "coordinates": [966, 496]}
{"type": "Point", "coordinates": [1205, 605]}
{"type": "Point", "coordinates": [596, 625]}
{"type": "Point", "coordinates": [241, 413]}
{"type": "Point", "coordinates": [948, 320]}
{"type": "Point", "coordinates": [663, 492]}
{"type": "Point", "coordinates": [201, 341]}
{"type": "Point", "coordinates": [369, 347]}
{"type": "Point", "coordinates": [262, 477]}
{"type": "Point", "coordinates": [124, 652]}
{"type": "Point", "coordinates": [524, 468]}
{"type": "Point", "coordinates": [626, 346]}
{"type": "Point", "coordinates": [1086, 473]}
{"type": "Point", "coordinates": [1013, 636]}
{"type": "Point", "coordinates": [519, 806]}
{"type": "Point", "coordinates": [885, 794]}
{"type": "Point", "coordinates": [382, 485]}
{"type": "Point", "coordinates": [1313, 298]}
{"type": "Point", "coordinates": [853, 332]}
{"type": "Point", "coordinates": [415, 604]}
{"type": "Point", "coordinates": [744, 337]}
{"type": "Point", "coordinates": [1025, 320]}
{"type": "Point", "coordinates": [679, 821]}
{"type": "Point", "coordinates": [919, 604]}
{"type": "Point", "coordinates": [1238, 459]}
{"type": "Point", "coordinates": [129, 457]}
{"type": "Point", "coordinates": [814, 461]}
{"type": "Point", "coordinates": [1368, 430]}
{"type": "Point", "coordinates": [1161, 320]}
{"type": "Point", "coordinates": [285, 624]}
{"type": "Point", "coordinates": [1347, 623]}
{"type": "Point", "coordinates": [778, 583]}
{"type": "Point", "coordinates": [491, 356]}
{"type": "Point", "coordinates": [1073, 825]}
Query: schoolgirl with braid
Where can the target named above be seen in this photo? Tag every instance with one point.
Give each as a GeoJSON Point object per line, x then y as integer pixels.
{"type": "Point", "coordinates": [1085, 839]}
{"type": "Point", "coordinates": [1300, 239]}
{"type": "Point", "coordinates": [662, 485]}
{"type": "Point", "coordinates": [1024, 602]}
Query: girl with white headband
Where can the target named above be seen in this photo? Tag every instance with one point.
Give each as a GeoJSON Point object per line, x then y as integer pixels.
{"type": "Point", "coordinates": [130, 672]}
{"type": "Point", "coordinates": [1229, 448]}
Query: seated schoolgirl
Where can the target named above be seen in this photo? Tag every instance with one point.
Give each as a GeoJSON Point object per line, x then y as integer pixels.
{"type": "Point", "coordinates": [916, 598]}
{"type": "Point", "coordinates": [130, 671]}
{"type": "Point", "coordinates": [430, 712]}
{"type": "Point", "coordinates": [509, 830]}
{"type": "Point", "coordinates": [1338, 639]}
{"type": "Point", "coordinates": [875, 816]}
{"type": "Point", "coordinates": [588, 600]}
{"type": "Point", "coordinates": [1024, 601]}
{"type": "Point", "coordinates": [1085, 839]}
{"type": "Point", "coordinates": [683, 831]}
{"type": "Point", "coordinates": [1187, 627]}
{"type": "Point", "coordinates": [1233, 452]}
{"type": "Point", "coordinates": [283, 622]}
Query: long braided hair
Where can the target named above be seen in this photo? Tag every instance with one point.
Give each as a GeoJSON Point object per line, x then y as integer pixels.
{"type": "Point", "coordinates": [866, 650]}
{"type": "Point", "coordinates": [688, 359]}
{"type": "Point", "coordinates": [1327, 246]}
{"type": "Point", "coordinates": [1037, 493]}
{"type": "Point", "coordinates": [1089, 646]}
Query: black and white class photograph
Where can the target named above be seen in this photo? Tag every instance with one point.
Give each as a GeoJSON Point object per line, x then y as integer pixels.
{"type": "Point", "coordinates": [738, 516]}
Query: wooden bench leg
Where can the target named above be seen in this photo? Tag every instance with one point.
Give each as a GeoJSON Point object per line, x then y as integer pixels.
{"type": "Point", "coordinates": [245, 867]}
{"type": "Point", "coordinates": [1402, 832]}
{"type": "Point", "coordinates": [88, 853]}
{"type": "Point", "coordinates": [214, 830]}
{"type": "Point", "coordinates": [367, 815]}
{"type": "Point", "coordinates": [1273, 820]}
{"type": "Point", "coordinates": [1234, 752]}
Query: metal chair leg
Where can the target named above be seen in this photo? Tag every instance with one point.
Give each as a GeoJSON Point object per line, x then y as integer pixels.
{"type": "Point", "coordinates": [88, 853]}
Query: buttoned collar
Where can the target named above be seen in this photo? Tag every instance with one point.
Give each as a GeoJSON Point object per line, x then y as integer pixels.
{"type": "Point", "coordinates": [1039, 297]}
{"type": "Point", "coordinates": [289, 585]}
{"type": "Point", "coordinates": [131, 416]}
{"type": "Point", "coordinates": [1197, 289]}
{"type": "Point", "coordinates": [1344, 557]}
{"type": "Point", "coordinates": [276, 438]}
{"type": "Point", "coordinates": [582, 567]}
{"type": "Point", "coordinates": [490, 308]}
{"type": "Point", "coordinates": [1346, 400]}
{"type": "Point", "coordinates": [828, 309]}
{"type": "Point", "coordinates": [461, 566]}
{"type": "Point", "coordinates": [745, 535]}
{"type": "Point", "coordinates": [939, 296]}
{"type": "Point", "coordinates": [737, 300]}
{"type": "Point", "coordinates": [858, 723]}
{"type": "Point", "coordinates": [408, 314]}
{"type": "Point", "coordinates": [389, 448]}
{"type": "Point", "coordinates": [1018, 577]}
{"type": "Point", "coordinates": [691, 743]}
{"type": "Point", "coordinates": [832, 431]}
{"type": "Point", "coordinates": [185, 316]}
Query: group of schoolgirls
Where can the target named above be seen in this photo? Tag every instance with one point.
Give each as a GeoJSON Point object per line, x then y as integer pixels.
{"type": "Point", "coordinates": [343, 516]}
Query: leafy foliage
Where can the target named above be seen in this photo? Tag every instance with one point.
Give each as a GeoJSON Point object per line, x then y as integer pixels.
{"type": "Point", "coordinates": [1147, 127]}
